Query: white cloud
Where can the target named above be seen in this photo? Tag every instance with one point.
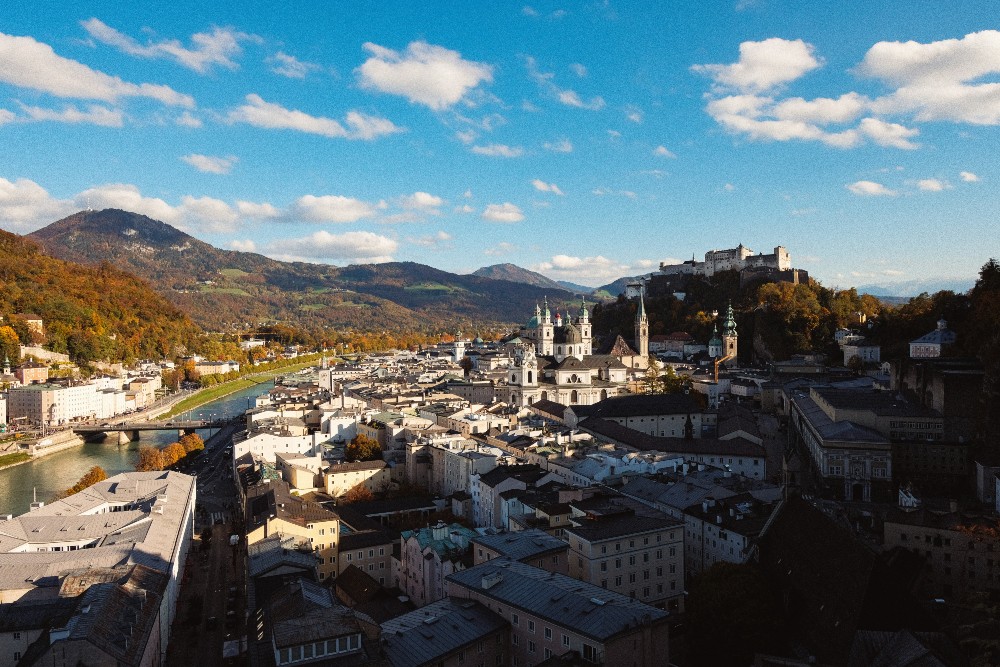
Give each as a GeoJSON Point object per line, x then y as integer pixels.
{"type": "Point", "coordinates": [888, 134]}
{"type": "Point", "coordinates": [822, 110]}
{"type": "Point", "coordinates": [614, 134]}
{"type": "Point", "coordinates": [467, 194]}
{"type": "Point", "coordinates": [6, 117]}
{"type": "Point", "coordinates": [505, 212]}
{"type": "Point", "coordinates": [127, 197]}
{"type": "Point", "coordinates": [430, 240]}
{"type": "Point", "coordinates": [208, 49]}
{"type": "Point", "coordinates": [597, 269]}
{"type": "Point", "coordinates": [542, 186]}
{"type": "Point", "coordinates": [332, 208]}
{"type": "Point", "coordinates": [502, 248]}
{"type": "Point", "coordinates": [933, 80]}
{"type": "Point", "coordinates": [422, 201]}
{"type": "Point", "coordinates": [560, 146]}
{"type": "Point", "coordinates": [634, 114]}
{"type": "Point", "coordinates": [263, 211]}
{"type": "Point", "coordinates": [763, 65]}
{"type": "Point", "coordinates": [729, 187]}
{"type": "Point", "coordinates": [578, 69]}
{"type": "Point", "coordinates": [267, 115]}
{"type": "Point", "coordinates": [933, 185]}
{"type": "Point", "coordinates": [603, 192]}
{"type": "Point", "coordinates": [464, 208]}
{"type": "Point", "coordinates": [209, 164]}
{"type": "Point", "coordinates": [209, 214]}
{"type": "Point", "coordinates": [969, 177]}
{"type": "Point", "coordinates": [95, 114]}
{"type": "Point", "coordinates": [324, 246]}
{"type": "Point", "coordinates": [289, 66]}
{"type": "Point", "coordinates": [26, 206]}
{"type": "Point", "coordinates": [870, 189]}
{"type": "Point", "coordinates": [425, 74]}
{"type": "Point", "coordinates": [662, 151]}
{"type": "Point", "coordinates": [529, 11]}
{"type": "Point", "coordinates": [245, 245]}
{"type": "Point", "coordinates": [187, 119]}
{"type": "Point", "coordinates": [27, 63]}
{"type": "Point", "coordinates": [467, 136]}
{"type": "Point", "coordinates": [564, 95]}
{"type": "Point", "coordinates": [527, 105]}
{"type": "Point", "coordinates": [498, 150]}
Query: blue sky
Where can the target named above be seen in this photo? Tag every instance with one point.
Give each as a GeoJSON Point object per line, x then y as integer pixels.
{"type": "Point", "coordinates": [584, 140]}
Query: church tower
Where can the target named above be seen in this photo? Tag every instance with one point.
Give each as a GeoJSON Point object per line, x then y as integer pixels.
{"type": "Point", "coordinates": [641, 330]}
{"type": "Point", "coordinates": [546, 332]}
{"type": "Point", "coordinates": [583, 324]}
{"type": "Point", "coordinates": [715, 343]}
{"type": "Point", "coordinates": [729, 335]}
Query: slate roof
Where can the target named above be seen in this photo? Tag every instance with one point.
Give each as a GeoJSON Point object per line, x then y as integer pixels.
{"type": "Point", "coordinates": [587, 609]}
{"type": "Point", "coordinates": [437, 630]}
{"type": "Point", "coordinates": [275, 500]}
{"type": "Point", "coordinates": [522, 545]}
{"type": "Point", "coordinates": [737, 446]}
{"type": "Point", "coordinates": [303, 611]}
{"type": "Point", "coordinates": [637, 405]}
{"type": "Point", "coordinates": [621, 527]}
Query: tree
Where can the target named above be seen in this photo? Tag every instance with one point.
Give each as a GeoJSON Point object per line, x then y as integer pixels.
{"type": "Point", "coordinates": [150, 458]}
{"type": "Point", "coordinates": [466, 365]}
{"type": "Point", "coordinates": [10, 345]}
{"type": "Point", "coordinates": [357, 494]}
{"type": "Point", "coordinates": [673, 383]}
{"type": "Point", "coordinates": [192, 442]}
{"type": "Point", "coordinates": [91, 477]}
{"type": "Point", "coordinates": [363, 448]}
{"type": "Point", "coordinates": [173, 453]}
{"type": "Point", "coordinates": [652, 381]}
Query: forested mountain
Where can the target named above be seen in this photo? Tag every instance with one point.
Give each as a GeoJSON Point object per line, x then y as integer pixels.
{"type": "Point", "coordinates": [516, 274]}
{"type": "Point", "coordinates": [220, 288]}
{"type": "Point", "coordinates": [90, 312]}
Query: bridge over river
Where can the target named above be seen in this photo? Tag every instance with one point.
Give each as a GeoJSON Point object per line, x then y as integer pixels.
{"type": "Point", "coordinates": [131, 429]}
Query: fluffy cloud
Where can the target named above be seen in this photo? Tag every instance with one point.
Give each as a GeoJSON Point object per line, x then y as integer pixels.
{"type": "Point", "coordinates": [209, 164]}
{"type": "Point", "coordinates": [95, 114]}
{"type": "Point", "coordinates": [933, 80]}
{"type": "Point", "coordinates": [662, 151]}
{"type": "Point", "coordinates": [215, 48]}
{"type": "Point", "coordinates": [27, 63]}
{"type": "Point", "coordinates": [245, 245]}
{"type": "Point", "coordinates": [505, 212]}
{"type": "Point", "coordinates": [542, 186]}
{"type": "Point", "coordinates": [127, 197]}
{"type": "Point", "coordinates": [324, 246]}
{"type": "Point", "coordinates": [578, 69]}
{"type": "Point", "coordinates": [822, 110]}
{"type": "Point", "coordinates": [332, 208]}
{"type": "Point", "coordinates": [498, 150]}
{"type": "Point", "coordinates": [545, 81]}
{"type": "Point", "coordinates": [425, 74]}
{"type": "Point", "coordinates": [969, 177]}
{"type": "Point", "coordinates": [430, 240]}
{"type": "Point", "coordinates": [208, 214]}
{"type": "Point", "coordinates": [933, 185]}
{"type": "Point", "coordinates": [888, 134]}
{"type": "Point", "coordinates": [502, 248]}
{"type": "Point", "coordinates": [263, 114]}
{"type": "Point", "coordinates": [763, 65]}
{"type": "Point", "coordinates": [289, 66]}
{"type": "Point", "coordinates": [26, 206]}
{"type": "Point", "coordinates": [187, 119]}
{"type": "Point", "coordinates": [596, 269]}
{"type": "Point", "coordinates": [560, 146]}
{"type": "Point", "coordinates": [6, 117]}
{"type": "Point", "coordinates": [464, 208]}
{"type": "Point", "coordinates": [260, 211]}
{"type": "Point", "coordinates": [422, 202]}
{"type": "Point", "coordinates": [870, 189]}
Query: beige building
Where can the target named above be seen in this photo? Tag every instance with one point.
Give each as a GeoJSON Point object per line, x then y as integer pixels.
{"type": "Point", "coordinates": [638, 557]}
{"type": "Point", "coordinates": [341, 478]}
{"type": "Point", "coordinates": [272, 510]}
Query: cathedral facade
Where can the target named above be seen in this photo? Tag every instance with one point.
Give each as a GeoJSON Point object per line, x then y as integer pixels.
{"type": "Point", "coordinates": [554, 361]}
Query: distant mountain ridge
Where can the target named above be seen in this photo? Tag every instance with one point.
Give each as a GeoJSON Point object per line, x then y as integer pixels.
{"type": "Point", "coordinates": [516, 274]}
{"type": "Point", "coordinates": [220, 288]}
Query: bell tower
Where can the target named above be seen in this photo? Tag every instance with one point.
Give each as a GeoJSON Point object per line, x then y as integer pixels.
{"type": "Point", "coordinates": [641, 329]}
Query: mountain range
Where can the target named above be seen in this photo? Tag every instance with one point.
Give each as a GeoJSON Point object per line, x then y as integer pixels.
{"type": "Point", "coordinates": [222, 289]}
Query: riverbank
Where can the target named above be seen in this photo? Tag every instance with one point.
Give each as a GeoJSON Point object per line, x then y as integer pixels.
{"type": "Point", "coordinates": [214, 393]}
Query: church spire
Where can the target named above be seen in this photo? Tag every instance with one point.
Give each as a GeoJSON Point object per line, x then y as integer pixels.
{"type": "Point", "coordinates": [641, 329]}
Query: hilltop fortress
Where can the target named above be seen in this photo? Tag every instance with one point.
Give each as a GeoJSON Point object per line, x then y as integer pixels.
{"type": "Point", "coordinates": [734, 259]}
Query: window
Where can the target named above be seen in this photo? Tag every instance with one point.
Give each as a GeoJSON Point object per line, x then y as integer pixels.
{"type": "Point", "coordinates": [531, 626]}
{"type": "Point", "coordinates": [565, 641]}
{"type": "Point", "coordinates": [548, 633]}
{"type": "Point", "coordinates": [547, 653]}
{"type": "Point", "coordinates": [531, 647]}
{"type": "Point", "coordinates": [604, 566]}
{"type": "Point", "coordinates": [514, 619]}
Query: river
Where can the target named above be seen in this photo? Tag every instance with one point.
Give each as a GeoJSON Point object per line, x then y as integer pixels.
{"type": "Point", "coordinates": [51, 474]}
